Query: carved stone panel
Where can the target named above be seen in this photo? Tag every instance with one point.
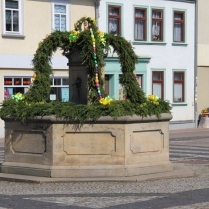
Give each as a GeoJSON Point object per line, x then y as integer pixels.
{"type": "Point", "coordinates": [89, 143]}
{"type": "Point", "coordinates": [32, 142]}
{"type": "Point", "coordinates": [146, 141]}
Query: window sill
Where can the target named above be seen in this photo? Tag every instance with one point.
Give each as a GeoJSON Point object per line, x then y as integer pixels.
{"type": "Point", "coordinates": [148, 43]}
{"type": "Point", "coordinates": [179, 104]}
{"type": "Point", "coordinates": [157, 43]}
{"type": "Point", "coordinates": [179, 44]}
{"type": "Point", "coordinates": [140, 43]}
{"type": "Point", "coordinates": [13, 36]}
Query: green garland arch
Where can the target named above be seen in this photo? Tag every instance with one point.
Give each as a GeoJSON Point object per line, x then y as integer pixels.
{"type": "Point", "coordinates": [92, 44]}
{"type": "Point", "coordinates": [81, 40]}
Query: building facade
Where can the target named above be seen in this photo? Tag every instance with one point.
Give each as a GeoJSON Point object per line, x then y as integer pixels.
{"type": "Point", "coordinates": [202, 56]}
{"type": "Point", "coordinates": [162, 33]}
{"type": "Point", "coordinates": [24, 23]}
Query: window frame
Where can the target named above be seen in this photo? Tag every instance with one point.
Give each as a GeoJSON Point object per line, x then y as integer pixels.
{"type": "Point", "coordinates": [119, 17]}
{"type": "Point", "coordinates": [179, 81]}
{"type": "Point", "coordinates": [159, 81]}
{"type": "Point", "coordinates": [20, 20]}
{"type": "Point", "coordinates": [63, 3]}
{"type": "Point", "coordinates": [144, 19]}
{"type": "Point", "coordinates": [179, 21]}
{"type": "Point", "coordinates": [161, 20]}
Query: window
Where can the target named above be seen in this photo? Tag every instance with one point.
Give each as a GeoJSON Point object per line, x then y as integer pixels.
{"type": "Point", "coordinates": [139, 79]}
{"type": "Point", "coordinates": [13, 85]}
{"type": "Point", "coordinates": [59, 87]}
{"type": "Point", "coordinates": [178, 87]}
{"type": "Point", "coordinates": [157, 25]}
{"type": "Point", "coordinates": [158, 84]}
{"type": "Point", "coordinates": [60, 18]}
{"type": "Point", "coordinates": [140, 24]}
{"type": "Point", "coordinates": [178, 27]}
{"type": "Point", "coordinates": [114, 20]}
{"type": "Point", "coordinates": [12, 17]}
{"type": "Point", "coordinates": [107, 84]}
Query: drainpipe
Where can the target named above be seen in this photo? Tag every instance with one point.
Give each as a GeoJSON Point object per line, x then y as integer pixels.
{"type": "Point", "coordinates": [97, 5]}
{"type": "Point", "coordinates": [195, 64]}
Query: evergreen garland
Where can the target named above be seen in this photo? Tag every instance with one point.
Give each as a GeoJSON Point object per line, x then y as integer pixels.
{"type": "Point", "coordinates": [36, 101]}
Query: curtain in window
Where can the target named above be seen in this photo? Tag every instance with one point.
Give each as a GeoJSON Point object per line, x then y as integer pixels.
{"type": "Point", "coordinates": [113, 11]}
{"type": "Point", "coordinates": [57, 22]}
{"type": "Point", "coordinates": [156, 26]}
{"type": "Point", "coordinates": [60, 9]}
{"type": "Point", "coordinates": [60, 17]}
{"type": "Point", "coordinates": [63, 23]}
{"type": "Point", "coordinates": [113, 26]}
{"type": "Point", "coordinates": [157, 89]}
{"type": "Point", "coordinates": [178, 89]}
{"type": "Point", "coordinates": [139, 26]}
{"type": "Point", "coordinates": [177, 32]}
{"type": "Point", "coordinates": [139, 29]}
{"type": "Point", "coordinates": [155, 29]}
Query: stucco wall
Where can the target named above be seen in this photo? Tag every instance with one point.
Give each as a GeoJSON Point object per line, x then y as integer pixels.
{"type": "Point", "coordinates": [202, 90]}
{"type": "Point", "coordinates": [203, 31]}
{"type": "Point", "coordinates": [38, 24]}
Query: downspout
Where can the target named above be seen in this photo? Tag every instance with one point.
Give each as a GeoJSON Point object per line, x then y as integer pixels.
{"type": "Point", "coordinates": [97, 5]}
{"type": "Point", "coordinates": [195, 64]}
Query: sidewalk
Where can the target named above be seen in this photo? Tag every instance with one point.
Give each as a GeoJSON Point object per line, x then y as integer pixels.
{"type": "Point", "coordinates": [191, 132]}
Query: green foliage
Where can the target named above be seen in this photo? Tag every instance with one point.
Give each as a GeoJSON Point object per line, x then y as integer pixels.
{"type": "Point", "coordinates": [36, 100]}
{"type": "Point", "coordinates": [80, 113]}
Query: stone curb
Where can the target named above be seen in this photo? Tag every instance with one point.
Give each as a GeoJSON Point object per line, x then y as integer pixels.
{"type": "Point", "coordinates": [179, 171]}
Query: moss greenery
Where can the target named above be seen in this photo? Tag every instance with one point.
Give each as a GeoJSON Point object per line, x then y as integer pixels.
{"type": "Point", "coordinates": [36, 101]}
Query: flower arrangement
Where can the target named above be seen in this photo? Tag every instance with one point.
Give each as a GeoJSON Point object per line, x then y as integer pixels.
{"type": "Point", "coordinates": [205, 112]}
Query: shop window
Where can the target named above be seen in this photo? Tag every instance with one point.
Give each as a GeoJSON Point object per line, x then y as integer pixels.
{"type": "Point", "coordinates": [59, 87]}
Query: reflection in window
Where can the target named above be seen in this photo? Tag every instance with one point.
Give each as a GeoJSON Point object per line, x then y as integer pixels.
{"type": "Point", "coordinates": [12, 15]}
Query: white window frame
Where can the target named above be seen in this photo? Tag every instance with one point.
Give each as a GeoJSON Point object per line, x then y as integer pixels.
{"type": "Point", "coordinates": [64, 3]}
{"type": "Point", "coordinates": [13, 33]}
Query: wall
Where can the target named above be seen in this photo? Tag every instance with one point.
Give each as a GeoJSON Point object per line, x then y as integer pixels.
{"type": "Point", "coordinates": [202, 56]}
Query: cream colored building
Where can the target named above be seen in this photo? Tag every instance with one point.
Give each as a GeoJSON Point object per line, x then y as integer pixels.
{"type": "Point", "coordinates": [202, 56]}
{"type": "Point", "coordinates": [24, 23]}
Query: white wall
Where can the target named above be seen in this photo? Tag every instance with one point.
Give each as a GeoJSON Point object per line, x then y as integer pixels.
{"type": "Point", "coordinates": [166, 56]}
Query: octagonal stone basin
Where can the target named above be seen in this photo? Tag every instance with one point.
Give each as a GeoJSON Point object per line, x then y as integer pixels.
{"type": "Point", "coordinates": [48, 147]}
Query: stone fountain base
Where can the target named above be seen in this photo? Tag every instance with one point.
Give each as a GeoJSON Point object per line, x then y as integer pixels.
{"type": "Point", "coordinates": [47, 147]}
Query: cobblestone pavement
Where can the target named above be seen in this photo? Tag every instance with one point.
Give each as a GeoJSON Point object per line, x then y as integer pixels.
{"type": "Point", "coordinates": [186, 193]}
{"type": "Point", "coordinates": [182, 193]}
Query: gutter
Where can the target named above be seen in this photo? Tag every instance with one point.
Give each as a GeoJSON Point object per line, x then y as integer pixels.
{"type": "Point", "coordinates": [97, 5]}
{"type": "Point", "coordinates": [195, 64]}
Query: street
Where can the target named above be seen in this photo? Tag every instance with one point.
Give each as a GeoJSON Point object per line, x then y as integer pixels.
{"type": "Point", "coordinates": [189, 147]}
